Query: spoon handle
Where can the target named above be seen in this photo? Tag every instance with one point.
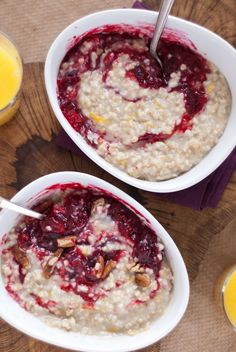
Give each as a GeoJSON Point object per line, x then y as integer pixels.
{"type": "Point", "coordinates": [160, 24]}
{"type": "Point", "coordinates": [6, 204]}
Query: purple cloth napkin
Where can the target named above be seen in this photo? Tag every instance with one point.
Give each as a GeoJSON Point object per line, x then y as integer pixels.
{"type": "Point", "coordinates": [140, 5]}
{"type": "Point", "coordinates": [206, 193]}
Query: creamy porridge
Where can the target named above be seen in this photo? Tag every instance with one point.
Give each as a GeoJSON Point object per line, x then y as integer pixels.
{"type": "Point", "coordinates": [91, 265]}
{"type": "Point", "coordinates": [150, 122]}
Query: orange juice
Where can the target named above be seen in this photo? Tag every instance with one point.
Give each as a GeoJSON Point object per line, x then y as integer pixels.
{"type": "Point", "coordinates": [229, 298]}
{"type": "Point", "coordinates": [226, 289]}
{"type": "Point", "coordinates": [11, 72]}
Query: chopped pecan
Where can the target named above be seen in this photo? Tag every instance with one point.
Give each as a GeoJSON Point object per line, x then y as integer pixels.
{"type": "Point", "coordinates": [142, 280]}
{"type": "Point", "coordinates": [66, 242]}
{"type": "Point", "coordinates": [99, 267]}
{"type": "Point", "coordinates": [110, 265]}
{"type": "Point", "coordinates": [135, 267]}
{"type": "Point", "coordinates": [21, 257]}
{"type": "Point", "coordinates": [51, 263]}
{"type": "Point", "coordinates": [99, 203]}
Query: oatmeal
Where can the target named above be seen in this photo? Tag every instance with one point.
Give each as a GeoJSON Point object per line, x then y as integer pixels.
{"type": "Point", "coordinates": [153, 123]}
{"type": "Point", "coordinates": [91, 265]}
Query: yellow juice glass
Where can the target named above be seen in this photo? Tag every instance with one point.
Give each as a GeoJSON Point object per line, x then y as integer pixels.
{"type": "Point", "coordinates": [11, 74]}
{"type": "Point", "coordinates": [226, 294]}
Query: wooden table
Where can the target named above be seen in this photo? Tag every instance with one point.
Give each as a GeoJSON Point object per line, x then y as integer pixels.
{"type": "Point", "coordinates": [206, 239]}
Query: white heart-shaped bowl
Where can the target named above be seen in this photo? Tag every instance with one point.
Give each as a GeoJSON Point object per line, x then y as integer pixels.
{"type": "Point", "coordinates": [30, 325]}
{"type": "Point", "coordinates": [212, 46]}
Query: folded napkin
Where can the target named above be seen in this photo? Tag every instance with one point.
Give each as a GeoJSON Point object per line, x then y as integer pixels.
{"type": "Point", "coordinates": [206, 193]}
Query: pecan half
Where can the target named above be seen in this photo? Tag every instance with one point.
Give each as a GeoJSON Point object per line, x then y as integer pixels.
{"type": "Point", "coordinates": [110, 265]}
{"type": "Point", "coordinates": [66, 242]}
{"type": "Point", "coordinates": [99, 267]}
{"type": "Point", "coordinates": [142, 280]}
{"type": "Point", "coordinates": [21, 257]}
{"type": "Point", "coordinates": [50, 265]}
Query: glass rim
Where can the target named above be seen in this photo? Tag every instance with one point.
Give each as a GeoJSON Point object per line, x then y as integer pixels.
{"type": "Point", "coordinates": [231, 270]}
{"type": "Point", "coordinates": [14, 99]}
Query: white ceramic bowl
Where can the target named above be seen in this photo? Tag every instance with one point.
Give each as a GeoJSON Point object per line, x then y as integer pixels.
{"type": "Point", "coordinates": [30, 325]}
{"type": "Point", "coordinates": [215, 49]}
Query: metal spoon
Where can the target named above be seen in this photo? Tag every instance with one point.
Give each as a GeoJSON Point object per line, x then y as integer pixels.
{"type": "Point", "coordinates": [6, 204]}
{"type": "Point", "coordinates": [165, 8]}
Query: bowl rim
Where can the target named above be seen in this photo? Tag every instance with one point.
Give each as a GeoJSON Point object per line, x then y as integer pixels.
{"type": "Point", "coordinates": [165, 186]}
{"type": "Point", "coordinates": [50, 180]}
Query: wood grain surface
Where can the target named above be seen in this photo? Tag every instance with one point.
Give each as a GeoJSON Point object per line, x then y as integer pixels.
{"type": "Point", "coordinates": [28, 150]}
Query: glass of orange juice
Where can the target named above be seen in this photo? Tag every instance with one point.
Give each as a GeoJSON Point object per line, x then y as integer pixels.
{"type": "Point", "coordinates": [226, 293]}
{"type": "Point", "coordinates": [11, 74]}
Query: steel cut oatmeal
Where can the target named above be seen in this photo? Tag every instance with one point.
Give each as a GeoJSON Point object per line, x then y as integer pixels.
{"type": "Point", "coordinates": [153, 123]}
{"type": "Point", "coordinates": [91, 265]}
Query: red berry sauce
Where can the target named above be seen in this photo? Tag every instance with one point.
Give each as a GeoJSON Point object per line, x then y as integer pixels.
{"type": "Point", "coordinates": [173, 52]}
{"type": "Point", "coordinates": [70, 217]}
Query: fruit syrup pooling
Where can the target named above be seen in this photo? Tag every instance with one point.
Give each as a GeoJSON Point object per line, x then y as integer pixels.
{"type": "Point", "coordinates": [172, 53]}
{"type": "Point", "coordinates": [70, 217]}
